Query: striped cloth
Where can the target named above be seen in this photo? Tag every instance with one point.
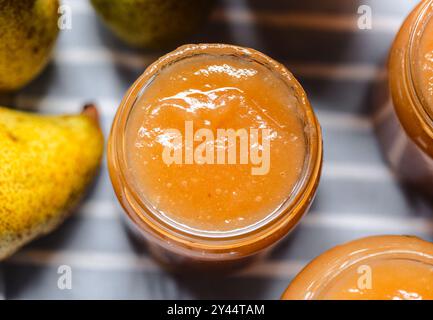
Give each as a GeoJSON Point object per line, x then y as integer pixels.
{"type": "Point", "coordinates": [336, 62]}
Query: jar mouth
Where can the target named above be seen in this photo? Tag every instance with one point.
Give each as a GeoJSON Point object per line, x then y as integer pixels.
{"type": "Point", "coordinates": [318, 277]}
{"type": "Point", "coordinates": [423, 109]}
{"type": "Point", "coordinates": [151, 216]}
{"type": "Point", "coordinates": [391, 255]}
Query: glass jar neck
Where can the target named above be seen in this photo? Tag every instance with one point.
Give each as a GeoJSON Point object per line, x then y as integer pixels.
{"type": "Point", "coordinates": [423, 108]}
{"type": "Point", "coordinates": [291, 210]}
{"type": "Point", "coordinates": [317, 278]}
{"type": "Point", "coordinates": [373, 258]}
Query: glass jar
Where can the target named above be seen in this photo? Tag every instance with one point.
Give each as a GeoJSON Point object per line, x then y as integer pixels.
{"type": "Point", "coordinates": [405, 121]}
{"type": "Point", "coordinates": [373, 268]}
{"type": "Point", "coordinates": [175, 244]}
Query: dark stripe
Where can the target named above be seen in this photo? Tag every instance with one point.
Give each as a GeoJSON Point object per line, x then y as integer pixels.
{"type": "Point", "coordinates": [388, 7]}
{"type": "Point", "coordinates": [295, 45]}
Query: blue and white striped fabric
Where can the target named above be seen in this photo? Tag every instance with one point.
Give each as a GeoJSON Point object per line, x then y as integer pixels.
{"type": "Point", "coordinates": [336, 62]}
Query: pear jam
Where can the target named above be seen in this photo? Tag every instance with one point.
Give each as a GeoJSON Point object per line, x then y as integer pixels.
{"type": "Point", "coordinates": [215, 155]}
{"type": "Point", "coordinates": [423, 70]}
{"type": "Point", "coordinates": [404, 119]}
{"type": "Point", "coordinates": [372, 268]}
{"type": "Point", "coordinates": [237, 143]}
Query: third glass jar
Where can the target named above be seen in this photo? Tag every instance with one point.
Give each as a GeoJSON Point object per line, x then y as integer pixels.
{"type": "Point", "coordinates": [405, 123]}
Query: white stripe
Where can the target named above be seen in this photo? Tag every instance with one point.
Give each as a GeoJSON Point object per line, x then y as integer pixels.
{"type": "Point", "coordinates": [58, 105]}
{"type": "Point", "coordinates": [100, 209]}
{"type": "Point", "coordinates": [398, 148]}
{"type": "Point", "coordinates": [343, 120]}
{"type": "Point", "coordinates": [352, 72]}
{"type": "Point", "coordinates": [358, 172]}
{"type": "Point", "coordinates": [98, 56]}
{"type": "Point", "coordinates": [314, 21]}
{"type": "Point", "coordinates": [238, 35]}
{"type": "Point", "coordinates": [362, 222]}
{"type": "Point", "coordinates": [84, 56]}
{"type": "Point", "coordinates": [273, 269]}
{"type": "Point", "coordinates": [110, 261]}
{"type": "Point", "coordinates": [79, 6]}
{"type": "Point", "coordinates": [85, 260]}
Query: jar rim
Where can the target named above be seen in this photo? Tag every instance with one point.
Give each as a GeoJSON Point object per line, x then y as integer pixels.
{"type": "Point", "coordinates": [423, 111]}
{"type": "Point", "coordinates": [304, 188]}
{"type": "Point", "coordinates": [314, 279]}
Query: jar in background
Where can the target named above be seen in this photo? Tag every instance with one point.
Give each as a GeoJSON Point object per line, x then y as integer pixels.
{"type": "Point", "coordinates": [404, 122]}
{"type": "Point", "coordinates": [373, 268]}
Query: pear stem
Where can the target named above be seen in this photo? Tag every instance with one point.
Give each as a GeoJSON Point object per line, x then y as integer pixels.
{"type": "Point", "coordinates": [91, 111]}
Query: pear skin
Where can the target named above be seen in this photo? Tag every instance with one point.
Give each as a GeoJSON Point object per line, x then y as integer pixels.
{"type": "Point", "coordinates": [153, 23]}
{"type": "Point", "coordinates": [46, 163]}
{"type": "Point", "coordinates": [28, 31]}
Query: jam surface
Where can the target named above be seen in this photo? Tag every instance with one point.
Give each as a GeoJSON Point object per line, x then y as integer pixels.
{"type": "Point", "coordinates": [209, 92]}
{"type": "Point", "coordinates": [424, 67]}
{"type": "Point", "coordinates": [371, 268]}
{"type": "Point", "coordinates": [388, 280]}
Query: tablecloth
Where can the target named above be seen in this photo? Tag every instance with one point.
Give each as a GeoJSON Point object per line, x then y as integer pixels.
{"type": "Point", "coordinates": [337, 63]}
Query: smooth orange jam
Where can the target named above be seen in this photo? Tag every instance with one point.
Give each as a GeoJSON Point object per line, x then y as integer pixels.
{"type": "Point", "coordinates": [215, 92]}
{"type": "Point", "coordinates": [372, 268]}
{"type": "Point", "coordinates": [390, 280]}
{"type": "Point", "coordinates": [424, 66]}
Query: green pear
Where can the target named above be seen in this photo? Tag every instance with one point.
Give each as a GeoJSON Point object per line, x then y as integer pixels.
{"type": "Point", "coordinates": [28, 31]}
{"type": "Point", "coordinates": [153, 23]}
{"type": "Point", "coordinates": [46, 163]}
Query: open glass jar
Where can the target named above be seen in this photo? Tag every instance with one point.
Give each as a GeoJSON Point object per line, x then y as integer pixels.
{"type": "Point", "coordinates": [374, 268]}
{"type": "Point", "coordinates": [405, 122]}
{"type": "Point", "coordinates": [193, 211]}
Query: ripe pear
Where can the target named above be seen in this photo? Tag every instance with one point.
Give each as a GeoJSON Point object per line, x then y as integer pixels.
{"type": "Point", "coordinates": [153, 23]}
{"type": "Point", "coordinates": [28, 31]}
{"type": "Point", "coordinates": [46, 162]}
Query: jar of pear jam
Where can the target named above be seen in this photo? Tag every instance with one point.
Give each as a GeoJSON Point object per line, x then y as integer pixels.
{"type": "Point", "coordinates": [215, 154]}
{"type": "Point", "coordinates": [405, 122]}
{"type": "Point", "coordinates": [373, 268]}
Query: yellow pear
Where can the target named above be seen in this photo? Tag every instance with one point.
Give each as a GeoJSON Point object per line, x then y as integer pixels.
{"type": "Point", "coordinates": [153, 23]}
{"type": "Point", "coordinates": [46, 162]}
{"type": "Point", "coordinates": [28, 32]}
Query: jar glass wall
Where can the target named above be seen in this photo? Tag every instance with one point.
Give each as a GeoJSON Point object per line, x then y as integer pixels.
{"type": "Point", "coordinates": [199, 213]}
{"type": "Point", "coordinates": [374, 268]}
{"type": "Point", "coordinates": [405, 122]}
